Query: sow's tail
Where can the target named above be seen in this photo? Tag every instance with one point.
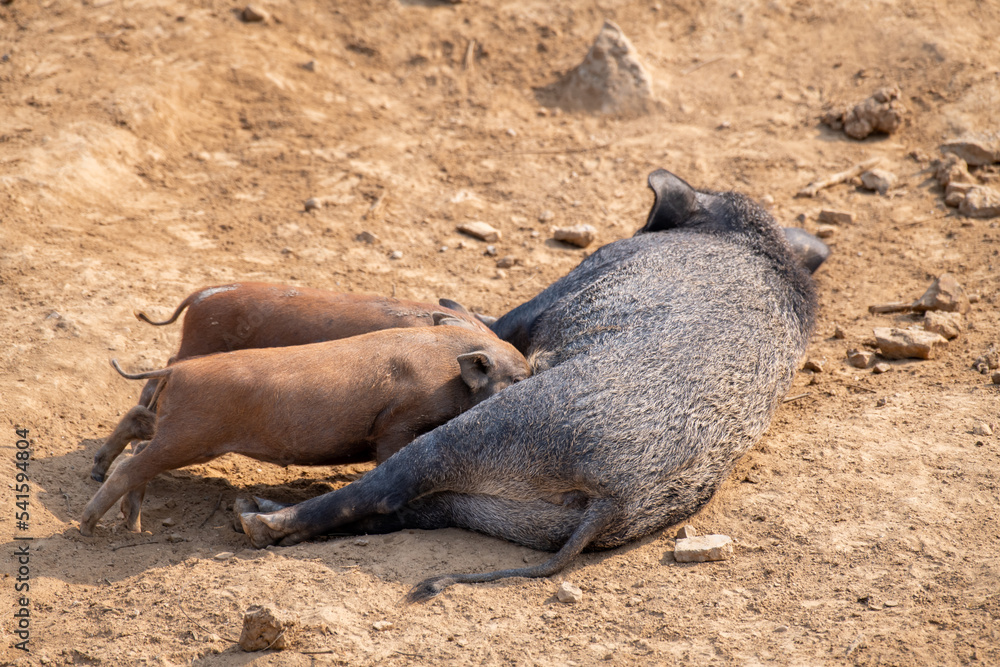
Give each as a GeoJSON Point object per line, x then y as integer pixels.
{"type": "Point", "coordinates": [595, 521]}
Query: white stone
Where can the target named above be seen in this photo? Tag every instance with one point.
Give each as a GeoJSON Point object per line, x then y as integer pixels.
{"type": "Point", "coordinates": [703, 548]}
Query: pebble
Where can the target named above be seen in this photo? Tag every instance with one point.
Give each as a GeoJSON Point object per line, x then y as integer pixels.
{"type": "Point", "coordinates": [881, 367]}
{"type": "Point", "coordinates": [954, 193]}
{"type": "Point", "coordinates": [367, 237]}
{"type": "Point", "coordinates": [879, 180]}
{"type": "Point", "coordinates": [982, 428]}
{"type": "Point", "coordinates": [396, 254]}
{"type": "Point", "coordinates": [264, 627]}
{"type": "Point", "coordinates": [882, 112]}
{"type": "Point", "coordinates": [951, 169]}
{"type": "Point", "coordinates": [976, 149]}
{"type": "Point", "coordinates": [506, 262]}
{"type": "Point", "coordinates": [995, 377]}
{"type": "Point", "coordinates": [894, 343]}
{"type": "Point", "coordinates": [831, 217]}
{"type": "Point", "coordinates": [860, 358]}
{"type": "Point", "coordinates": [481, 231]}
{"type": "Point", "coordinates": [253, 14]}
{"type": "Point", "coordinates": [685, 532]}
{"type": "Point", "coordinates": [175, 537]}
{"type": "Point", "coordinates": [578, 235]}
{"type": "Point", "coordinates": [704, 548]}
{"type": "Point", "coordinates": [813, 365]}
{"type": "Point", "coordinates": [168, 522]}
{"type": "Point", "coordinates": [980, 202]}
{"type": "Point", "coordinates": [361, 542]}
{"type": "Point", "coordinates": [943, 323]}
{"type": "Point", "coordinates": [987, 362]}
{"type": "Point", "coordinates": [491, 251]}
{"type": "Point", "coordinates": [546, 216]}
{"type": "Point", "coordinates": [944, 294]}
{"type": "Point", "coordinates": [568, 593]}
{"type": "Point", "coordinates": [313, 203]}
{"type": "Point", "coordinates": [443, 248]}
{"type": "Point", "coordinates": [382, 626]}
{"type": "Point", "coordinates": [224, 555]}
{"type": "Point", "coordinates": [309, 66]}
{"type": "Point", "coordinates": [825, 231]}
{"type": "Point", "coordinates": [839, 333]}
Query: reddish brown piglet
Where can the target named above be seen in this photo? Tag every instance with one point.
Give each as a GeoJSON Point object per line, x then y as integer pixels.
{"type": "Point", "coordinates": [249, 315]}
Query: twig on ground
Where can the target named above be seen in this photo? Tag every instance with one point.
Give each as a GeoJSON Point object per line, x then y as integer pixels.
{"type": "Point", "coordinates": [814, 187]}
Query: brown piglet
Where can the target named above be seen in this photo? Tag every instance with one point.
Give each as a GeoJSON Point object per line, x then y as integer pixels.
{"type": "Point", "coordinates": [249, 315]}
{"type": "Point", "coordinates": [321, 404]}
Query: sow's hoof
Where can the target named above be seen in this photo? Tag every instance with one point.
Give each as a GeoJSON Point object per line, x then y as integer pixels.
{"type": "Point", "coordinates": [252, 506]}
{"type": "Point", "coordinates": [260, 533]}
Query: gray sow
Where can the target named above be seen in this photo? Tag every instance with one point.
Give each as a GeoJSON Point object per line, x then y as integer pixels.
{"type": "Point", "coordinates": [659, 361]}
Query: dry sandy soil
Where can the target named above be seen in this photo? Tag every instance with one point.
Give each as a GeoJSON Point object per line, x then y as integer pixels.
{"type": "Point", "coordinates": [151, 148]}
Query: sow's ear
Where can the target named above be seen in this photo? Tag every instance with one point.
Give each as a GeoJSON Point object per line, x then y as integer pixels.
{"type": "Point", "coordinates": [476, 368]}
{"type": "Point", "coordinates": [808, 249]}
{"type": "Point", "coordinates": [676, 202]}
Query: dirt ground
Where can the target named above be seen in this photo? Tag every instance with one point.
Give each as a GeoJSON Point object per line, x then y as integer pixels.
{"type": "Point", "coordinates": [151, 148]}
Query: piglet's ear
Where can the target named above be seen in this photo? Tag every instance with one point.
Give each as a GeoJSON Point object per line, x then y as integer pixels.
{"type": "Point", "coordinates": [476, 368]}
{"type": "Point", "coordinates": [453, 305]}
{"type": "Point", "coordinates": [445, 319]}
{"type": "Point", "coordinates": [676, 202]}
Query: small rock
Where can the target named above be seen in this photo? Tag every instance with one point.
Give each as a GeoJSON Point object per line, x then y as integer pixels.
{"type": "Point", "coordinates": [367, 237]}
{"type": "Point", "coordinates": [175, 537]}
{"type": "Point", "coordinates": [705, 548]}
{"type": "Point", "coordinates": [491, 251]}
{"type": "Point", "coordinates": [896, 343]}
{"type": "Point", "coordinates": [839, 333]}
{"type": "Point", "coordinates": [944, 294]}
{"type": "Point", "coordinates": [578, 235]}
{"type": "Point", "coordinates": [825, 231]}
{"type": "Point", "coordinates": [168, 522]}
{"type": "Point", "coordinates": [982, 428]}
{"type": "Point", "coordinates": [882, 112]}
{"type": "Point", "coordinates": [891, 603]}
{"type": "Point", "coordinates": [943, 323]}
{"type": "Point", "coordinates": [253, 14]}
{"type": "Point", "coordinates": [980, 202]}
{"type": "Point", "coordinates": [568, 593]}
{"type": "Point", "coordinates": [881, 367]}
{"type": "Point", "coordinates": [995, 377]}
{"type": "Point", "coordinates": [361, 542]}
{"type": "Point", "coordinates": [396, 254]}
{"type": "Point", "coordinates": [546, 216]}
{"type": "Point", "coordinates": [987, 362]}
{"type": "Point", "coordinates": [951, 169]}
{"type": "Point", "coordinates": [836, 217]}
{"type": "Point", "coordinates": [954, 193]}
{"type": "Point", "coordinates": [781, 628]}
{"type": "Point", "coordinates": [263, 628]}
{"type": "Point", "coordinates": [813, 365]}
{"type": "Point", "coordinates": [860, 358]}
{"type": "Point", "coordinates": [443, 248]}
{"type": "Point", "coordinates": [313, 203]}
{"type": "Point", "coordinates": [224, 555]}
{"type": "Point", "coordinates": [685, 532]}
{"type": "Point", "coordinates": [500, 274]}
{"type": "Point", "coordinates": [309, 66]}
{"type": "Point", "coordinates": [976, 149]}
{"type": "Point", "coordinates": [383, 626]}
{"type": "Point", "coordinates": [481, 231]}
{"type": "Point", "coordinates": [879, 180]}
{"type": "Point", "coordinates": [506, 262]}
{"type": "Point", "coordinates": [611, 78]}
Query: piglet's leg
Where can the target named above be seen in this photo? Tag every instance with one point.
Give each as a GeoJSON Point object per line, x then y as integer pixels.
{"type": "Point", "coordinates": [156, 457]}
{"type": "Point", "coordinates": [139, 423]}
{"type": "Point", "coordinates": [132, 502]}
